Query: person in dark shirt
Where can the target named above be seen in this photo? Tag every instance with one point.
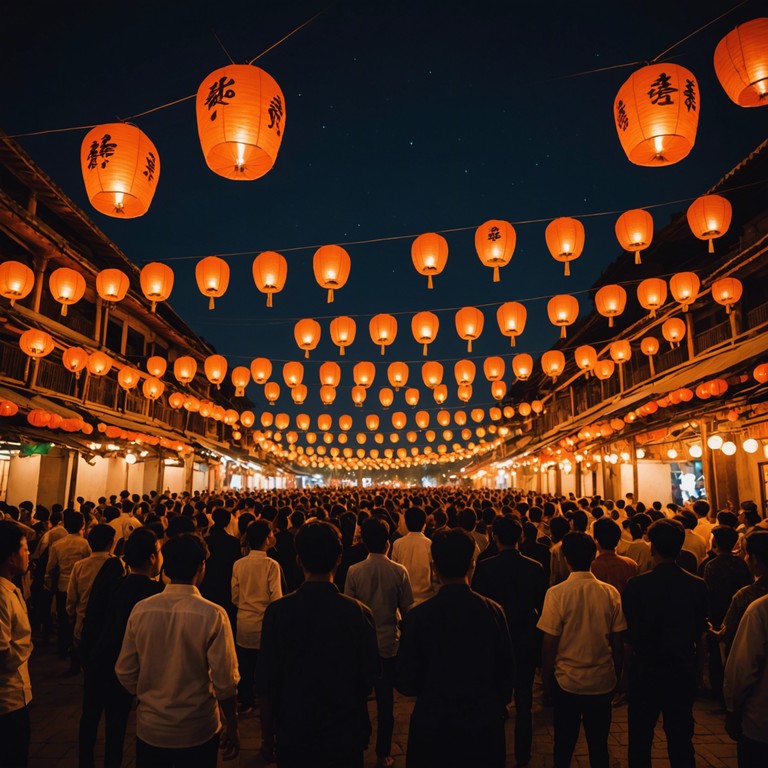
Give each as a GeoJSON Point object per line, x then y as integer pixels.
{"type": "Point", "coordinates": [531, 548]}
{"type": "Point", "coordinates": [224, 551]}
{"type": "Point", "coordinates": [666, 612]}
{"type": "Point", "coordinates": [318, 662]}
{"type": "Point", "coordinates": [285, 550]}
{"type": "Point", "coordinates": [101, 690]}
{"type": "Point", "coordinates": [352, 551]}
{"type": "Point", "coordinates": [458, 719]}
{"type": "Point", "coordinates": [518, 584]}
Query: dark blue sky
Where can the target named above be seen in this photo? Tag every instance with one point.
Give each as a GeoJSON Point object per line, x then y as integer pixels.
{"type": "Point", "coordinates": [401, 118]}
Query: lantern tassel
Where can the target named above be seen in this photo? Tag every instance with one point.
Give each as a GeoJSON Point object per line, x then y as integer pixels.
{"type": "Point", "coordinates": [429, 284]}
{"type": "Point", "coordinates": [711, 248]}
{"type": "Point", "coordinates": [562, 331]}
{"type": "Point", "coordinates": [341, 351]}
{"type": "Point", "coordinates": [153, 308]}
{"type": "Point", "coordinates": [727, 309]}
{"type": "Point", "coordinates": [269, 299]}
{"type": "Point", "coordinates": [496, 276]}
{"type": "Point", "coordinates": [512, 340]}
{"type": "Point", "coordinates": [685, 307]}
{"type": "Point", "coordinates": [610, 321]}
{"type": "Point", "coordinates": [330, 296]}
{"type": "Point", "coordinates": [382, 349]}
{"type": "Point", "coordinates": [63, 310]}
{"type": "Point", "coordinates": [306, 353]}
{"type": "Point", "coordinates": [567, 268]}
{"type": "Point", "coordinates": [424, 352]}
{"type": "Point", "coordinates": [211, 303]}
{"type": "Point", "coordinates": [638, 260]}
{"type": "Point", "coordinates": [469, 345]}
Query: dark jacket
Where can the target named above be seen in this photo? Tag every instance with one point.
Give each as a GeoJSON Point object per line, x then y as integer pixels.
{"type": "Point", "coordinates": [217, 582]}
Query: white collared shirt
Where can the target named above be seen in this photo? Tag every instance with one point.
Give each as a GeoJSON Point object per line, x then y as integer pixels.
{"type": "Point", "coordinates": [79, 589]}
{"type": "Point", "coordinates": [414, 551]}
{"type": "Point", "coordinates": [255, 584]}
{"type": "Point", "coordinates": [15, 649]}
{"type": "Point", "coordinates": [62, 558]}
{"type": "Point", "coordinates": [178, 657]}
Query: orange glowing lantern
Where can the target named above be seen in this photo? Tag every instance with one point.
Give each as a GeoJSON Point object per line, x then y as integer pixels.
{"type": "Point", "coordinates": [432, 374]}
{"type": "Point", "coordinates": [343, 331]}
{"type": "Point", "coordinates": [424, 326]}
{"type": "Point", "coordinates": [112, 284]}
{"type": "Point", "coordinates": [272, 392]}
{"type": "Point", "coordinates": [673, 331]}
{"type": "Point", "coordinates": [240, 120]}
{"type": "Point", "coordinates": [67, 286]}
{"type": "Point", "coordinates": [75, 359]}
{"type": "Point", "coordinates": [270, 271]}
{"type": "Point", "coordinates": [493, 368]}
{"type": "Point", "coordinates": [464, 392]}
{"type": "Point", "coordinates": [156, 282]}
{"type": "Point", "coordinates": [761, 373]}
{"type": "Point", "coordinates": [261, 370]}
{"type": "Point", "coordinates": [36, 343]}
{"type": "Point", "coordinates": [16, 280]}
{"type": "Point", "coordinates": [412, 396]}
{"type": "Point", "coordinates": [215, 367]}
{"type": "Point", "coordinates": [610, 301]}
{"type": "Point", "coordinates": [299, 393]}
{"type": "Point", "coordinates": [553, 363]}
{"type": "Point", "coordinates": [156, 366]}
{"type": "Point", "coordinates": [604, 369]}
{"type": "Point", "coordinates": [422, 419]}
{"type": "Point", "coordinates": [620, 351]}
{"type": "Point", "coordinates": [364, 373]}
{"type": "Point", "coordinates": [399, 419]}
{"type": "Point", "coordinates": [718, 387]}
{"type": "Point", "coordinates": [741, 63]}
{"type": "Point", "coordinates": [440, 393]}
{"type": "Point", "coordinates": [192, 404]}
{"type": "Point", "coordinates": [176, 400]}
{"type": "Point", "coordinates": [247, 419]}
{"type": "Point", "coordinates": [563, 310]}
{"type": "Point", "coordinates": [709, 217]}
{"type": "Point", "coordinates": [293, 374]}
{"type": "Point", "coordinates": [511, 317]}
{"type": "Point", "coordinates": [240, 377]}
{"type": "Point", "coordinates": [303, 421]}
{"type": "Point", "coordinates": [585, 357]}
{"type": "Point", "coordinates": [469, 324]}
{"type": "Point", "coordinates": [464, 371]}
{"type": "Point", "coordinates": [345, 422]}
{"type": "Point", "coordinates": [495, 243]}
{"type": "Point", "coordinates": [727, 291]}
{"type": "Point", "coordinates": [565, 240]}
{"type": "Point", "coordinates": [684, 287]}
{"type": "Point", "coordinates": [324, 422]}
{"type": "Point", "coordinates": [383, 330]}
{"type": "Point", "coordinates": [121, 168]}
{"type": "Point", "coordinates": [38, 418]}
{"type": "Point", "coordinates": [152, 388]}
{"type": "Point", "coordinates": [524, 409]}
{"type": "Point", "coordinates": [649, 346]}
{"type": "Point", "coordinates": [99, 364]}
{"type": "Point", "coordinates": [358, 395]}
{"type": "Point", "coordinates": [307, 334]}
{"type": "Point", "coordinates": [267, 419]}
{"type": "Point", "coordinates": [372, 422]}
{"type": "Point", "coordinates": [184, 369]}
{"type": "Point", "coordinates": [522, 366]}
{"type": "Point", "coordinates": [128, 378]}
{"type": "Point", "coordinates": [429, 253]}
{"type": "Point", "coordinates": [331, 264]}
{"type": "Point", "coordinates": [327, 395]}
{"type": "Point", "coordinates": [330, 374]}
{"type": "Point", "coordinates": [498, 390]}
{"type": "Point", "coordinates": [386, 397]}
{"type": "Point", "coordinates": [634, 231]}
{"type": "Point", "coordinates": [212, 275]}
{"type": "Point", "coordinates": [657, 113]}
{"type": "Point", "coordinates": [397, 373]}
{"type": "Point", "coordinates": [478, 414]}
{"type": "Point", "coordinates": [652, 293]}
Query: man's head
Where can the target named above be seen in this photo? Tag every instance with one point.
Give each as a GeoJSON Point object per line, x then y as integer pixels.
{"type": "Point", "coordinates": [701, 508]}
{"type": "Point", "coordinates": [607, 533]}
{"type": "Point", "coordinates": [142, 553]}
{"type": "Point", "coordinates": [375, 533]}
{"type": "Point", "coordinates": [507, 531]}
{"type": "Point", "coordinates": [415, 519]}
{"type": "Point", "coordinates": [579, 550]}
{"type": "Point", "coordinates": [452, 553]}
{"type": "Point", "coordinates": [101, 538]}
{"type": "Point", "coordinates": [73, 521]}
{"type": "Point", "coordinates": [725, 538]}
{"type": "Point", "coordinates": [757, 552]}
{"type": "Point", "coordinates": [667, 538]}
{"type": "Point", "coordinates": [14, 552]}
{"type": "Point", "coordinates": [258, 534]}
{"type": "Point", "coordinates": [318, 547]}
{"type": "Point", "coordinates": [184, 558]}
{"type": "Point", "coordinates": [558, 528]}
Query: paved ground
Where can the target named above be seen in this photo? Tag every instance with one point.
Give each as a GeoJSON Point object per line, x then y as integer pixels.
{"type": "Point", "coordinates": [55, 715]}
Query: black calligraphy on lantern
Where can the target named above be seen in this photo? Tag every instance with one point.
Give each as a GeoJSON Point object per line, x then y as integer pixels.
{"type": "Point", "coordinates": [275, 111]}
{"type": "Point", "coordinates": [218, 92]}
{"type": "Point", "coordinates": [622, 120]}
{"type": "Point", "coordinates": [494, 234]}
{"type": "Point", "coordinates": [662, 90]}
{"type": "Point", "coordinates": [101, 151]}
{"type": "Point", "coordinates": [690, 94]}
{"type": "Point", "coordinates": [150, 163]}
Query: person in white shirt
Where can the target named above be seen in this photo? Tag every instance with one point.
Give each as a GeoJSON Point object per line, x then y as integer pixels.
{"type": "Point", "coordinates": [256, 583]}
{"type": "Point", "coordinates": [582, 622]}
{"type": "Point", "coordinates": [181, 692]}
{"type": "Point", "coordinates": [703, 525]}
{"type": "Point", "coordinates": [15, 648]}
{"type": "Point", "coordinates": [694, 543]}
{"type": "Point", "coordinates": [414, 551]}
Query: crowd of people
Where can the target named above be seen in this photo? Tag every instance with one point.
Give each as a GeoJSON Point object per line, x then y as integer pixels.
{"type": "Point", "coordinates": [295, 605]}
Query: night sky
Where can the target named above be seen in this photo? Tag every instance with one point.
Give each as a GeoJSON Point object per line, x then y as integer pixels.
{"type": "Point", "coordinates": [401, 118]}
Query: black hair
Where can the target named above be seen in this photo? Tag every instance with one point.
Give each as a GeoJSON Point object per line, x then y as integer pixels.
{"type": "Point", "coordinates": [73, 521]}
{"type": "Point", "coordinates": [757, 545]}
{"type": "Point", "coordinates": [139, 547]}
{"type": "Point", "coordinates": [452, 552]}
{"type": "Point", "coordinates": [725, 537]}
{"type": "Point", "coordinates": [257, 533]}
{"type": "Point", "coordinates": [607, 533]}
{"type": "Point", "coordinates": [178, 525]}
{"type": "Point", "coordinates": [667, 537]}
{"type": "Point", "coordinates": [375, 534]}
{"type": "Point", "coordinates": [507, 530]}
{"type": "Point", "coordinates": [318, 546]}
{"type": "Point", "coordinates": [100, 537]}
{"type": "Point", "coordinates": [183, 555]}
{"type": "Point", "coordinates": [11, 536]}
{"type": "Point", "coordinates": [415, 519]}
{"type": "Point", "coordinates": [579, 550]}
{"type": "Point", "coordinates": [558, 528]}
{"type": "Point", "coordinates": [221, 517]}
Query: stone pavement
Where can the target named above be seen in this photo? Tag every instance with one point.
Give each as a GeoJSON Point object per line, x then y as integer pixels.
{"type": "Point", "coordinates": [55, 713]}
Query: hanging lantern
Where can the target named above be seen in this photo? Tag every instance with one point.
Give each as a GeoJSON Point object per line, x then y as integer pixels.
{"type": "Point", "coordinates": [75, 359]}
{"type": "Point", "coordinates": [324, 422]}
{"type": "Point", "coordinates": [620, 351]}
{"type": "Point", "coordinates": [176, 400]}
{"type": "Point", "coordinates": [498, 390]}
{"type": "Point", "coordinates": [424, 326]}
{"type": "Point", "coordinates": [495, 243]}
{"type": "Point", "coordinates": [727, 291]}
{"type": "Point", "coordinates": [67, 286]}
{"type": "Point", "coordinates": [156, 366]}
{"type": "Point", "coordinates": [673, 331]}
{"type": "Point", "coordinates": [460, 418]}
{"type": "Point", "coordinates": [493, 368]}
{"type": "Point", "coordinates": [372, 422]}
{"type": "Point", "coordinates": [432, 374]}
{"type": "Point", "coordinates": [397, 373]}
{"type": "Point", "coordinates": [358, 395]}
{"type": "Point", "coordinates": [283, 421]}
{"type": "Point", "coordinates": [38, 418]}
{"type": "Point", "coordinates": [247, 419]}
{"type": "Point", "coordinates": [299, 393]}
{"type": "Point", "coordinates": [112, 284]}
{"type": "Point", "coordinates": [649, 346]}
{"type": "Point", "coordinates": [99, 364]}
{"type": "Point", "coordinates": [215, 369]}
{"type": "Point", "coordinates": [652, 293]}
{"type": "Point", "coordinates": [657, 113]}
{"type": "Point", "coordinates": [604, 369]}
{"type": "Point", "coordinates": [293, 374]}
{"type": "Point", "coordinates": [709, 217]}
{"type": "Point", "coordinates": [121, 168]}
{"type": "Point", "coordinates": [563, 310]}
{"type": "Point", "coordinates": [585, 357]}
{"type": "Point", "coordinates": [345, 422]}
{"type": "Point", "coordinates": [331, 265]}
{"type": "Point", "coordinates": [16, 280]}
{"type": "Point", "coordinates": [261, 370]}
{"type": "Point", "coordinates": [212, 275]}
{"type": "Point", "coordinates": [128, 378]}
{"type": "Point", "coordinates": [240, 377]}
{"type": "Point", "coordinates": [399, 419]}
{"type": "Point", "coordinates": [761, 373]}
{"type": "Point", "coordinates": [267, 419]}
{"type": "Point", "coordinates": [343, 332]}
{"type": "Point", "coordinates": [464, 372]}
{"type": "Point", "coordinates": [478, 414]}
{"type": "Point", "coordinates": [270, 271]}
{"type": "Point", "coordinates": [240, 120]}
{"type": "Point", "coordinates": [495, 414]}
{"type": "Point", "coordinates": [36, 343]}
{"type": "Point", "coordinates": [469, 324]}
{"type": "Point", "coordinates": [634, 231]}
{"type": "Point", "coordinates": [330, 374]}
{"type": "Point", "coordinates": [303, 421]}
{"type": "Point", "coordinates": [684, 287]}
{"type": "Point", "coordinates": [156, 282]}
{"type": "Point", "coordinates": [327, 395]}
{"type": "Point", "coordinates": [553, 363]}
{"type": "Point", "coordinates": [411, 436]}
{"type": "Point", "coordinates": [386, 397]}
{"type": "Point", "coordinates": [718, 387]}
{"type": "Point", "coordinates": [511, 317]}
{"type": "Point", "coordinates": [741, 63]}
{"type": "Point", "coordinates": [610, 301]}
{"type": "Point", "coordinates": [440, 393]}
{"type": "Point", "coordinates": [364, 373]}
{"type": "Point", "coordinates": [383, 330]}
{"type": "Point", "coordinates": [565, 240]}
{"type": "Point", "coordinates": [422, 419]}
{"type": "Point", "coordinates": [184, 369]}
{"type": "Point", "coordinates": [522, 366]}
{"type": "Point", "coordinates": [464, 392]}
{"type": "Point", "coordinates": [429, 253]}
{"type": "Point", "coordinates": [191, 404]}
{"type": "Point", "coordinates": [412, 396]}
{"type": "Point", "coordinates": [152, 388]}
{"type": "Point", "coordinates": [307, 334]}
{"type": "Point", "coordinates": [272, 392]}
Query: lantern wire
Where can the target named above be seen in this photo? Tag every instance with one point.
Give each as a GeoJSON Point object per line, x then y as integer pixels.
{"type": "Point", "coordinates": [223, 47]}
